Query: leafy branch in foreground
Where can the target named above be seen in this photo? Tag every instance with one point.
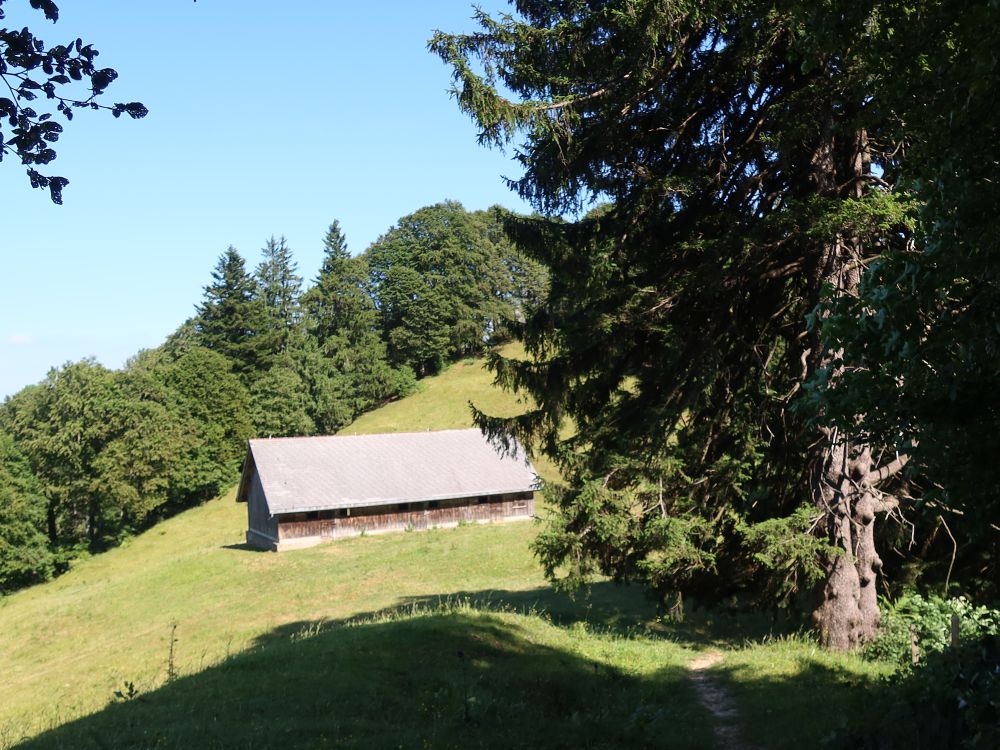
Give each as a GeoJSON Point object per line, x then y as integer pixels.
{"type": "Point", "coordinates": [41, 81]}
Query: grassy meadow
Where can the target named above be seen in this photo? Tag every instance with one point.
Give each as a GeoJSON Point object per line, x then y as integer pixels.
{"type": "Point", "coordinates": [444, 638]}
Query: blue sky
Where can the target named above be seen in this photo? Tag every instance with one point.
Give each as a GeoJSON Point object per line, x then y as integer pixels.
{"type": "Point", "coordinates": [265, 118]}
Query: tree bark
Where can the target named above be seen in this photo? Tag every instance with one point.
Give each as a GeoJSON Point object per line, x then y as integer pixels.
{"type": "Point", "coordinates": [841, 468]}
{"type": "Point", "coordinates": [848, 614]}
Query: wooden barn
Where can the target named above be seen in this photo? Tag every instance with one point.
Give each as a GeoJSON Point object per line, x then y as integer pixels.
{"type": "Point", "coordinates": [301, 491]}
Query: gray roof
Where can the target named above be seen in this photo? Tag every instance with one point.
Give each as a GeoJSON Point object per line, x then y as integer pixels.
{"type": "Point", "coordinates": [350, 471]}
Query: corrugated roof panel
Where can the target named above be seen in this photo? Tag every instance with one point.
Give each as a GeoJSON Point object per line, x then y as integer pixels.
{"type": "Point", "coordinates": [350, 471]}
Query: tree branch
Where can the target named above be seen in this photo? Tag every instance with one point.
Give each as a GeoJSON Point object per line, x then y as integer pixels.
{"type": "Point", "coordinates": [888, 470]}
{"type": "Point", "coordinates": [885, 504]}
{"type": "Point", "coordinates": [576, 99]}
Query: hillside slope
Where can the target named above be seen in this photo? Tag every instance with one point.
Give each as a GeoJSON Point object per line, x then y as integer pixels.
{"type": "Point", "coordinates": [70, 644]}
{"type": "Point", "coordinates": [441, 639]}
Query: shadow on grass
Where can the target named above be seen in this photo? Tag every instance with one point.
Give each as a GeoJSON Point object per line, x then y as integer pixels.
{"type": "Point", "coordinates": [796, 696]}
{"type": "Point", "coordinates": [455, 678]}
{"type": "Point", "coordinates": [459, 671]}
{"type": "Point", "coordinates": [243, 547]}
{"type": "Point", "coordinates": [623, 610]}
{"type": "Point", "coordinates": [614, 608]}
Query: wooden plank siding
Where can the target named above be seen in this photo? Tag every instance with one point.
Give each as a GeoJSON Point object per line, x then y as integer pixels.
{"type": "Point", "coordinates": [262, 526]}
{"type": "Point", "coordinates": [333, 524]}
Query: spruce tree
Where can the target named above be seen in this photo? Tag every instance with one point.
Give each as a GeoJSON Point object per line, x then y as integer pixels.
{"type": "Point", "coordinates": [734, 143]}
{"type": "Point", "coordinates": [348, 372]}
{"type": "Point", "coordinates": [280, 404]}
{"type": "Point", "coordinates": [338, 304]}
{"type": "Point", "coordinates": [277, 289]}
{"type": "Point", "coordinates": [227, 317]}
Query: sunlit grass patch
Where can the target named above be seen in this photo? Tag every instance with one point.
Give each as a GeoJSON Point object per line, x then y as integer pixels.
{"type": "Point", "coordinates": [792, 693]}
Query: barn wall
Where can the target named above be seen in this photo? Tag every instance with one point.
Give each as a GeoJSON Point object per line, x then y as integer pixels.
{"type": "Point", "coordinates": [416, 516]}
{"type": "Point", "coordinates": [259, 518]}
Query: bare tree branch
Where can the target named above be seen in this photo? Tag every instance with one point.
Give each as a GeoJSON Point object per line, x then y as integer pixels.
{"type": "Point", "coordinates": [888, 470]}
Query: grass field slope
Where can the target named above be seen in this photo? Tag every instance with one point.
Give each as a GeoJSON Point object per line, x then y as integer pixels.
{"type": "Point", "coordinates": [184, 638]}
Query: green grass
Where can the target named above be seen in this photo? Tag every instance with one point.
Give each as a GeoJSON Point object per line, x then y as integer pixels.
{"type": "Point", "coordinates": [448, 677]}
{"type": "Point", "coordinates": [792, 693]}
{"type": "Point", "coordinates": [356, 643]}
{"type": "Point", "coordinates": [442, 403]}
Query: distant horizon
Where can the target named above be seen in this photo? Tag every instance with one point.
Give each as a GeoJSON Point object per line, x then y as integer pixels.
{"type": "Point", "coordinates": [352, 122]}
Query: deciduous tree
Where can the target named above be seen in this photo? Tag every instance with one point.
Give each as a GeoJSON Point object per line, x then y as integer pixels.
{"type": "Point", "coordinates": [214, 398]}
{"type": "Point", "coordinates": [446, 281]}
{"type": "Point", "coordinates": [61, 426]}
{"type": "Point", "coordinates": [25, 556]}
{"type": "Point", "coordinates": [922, 338]}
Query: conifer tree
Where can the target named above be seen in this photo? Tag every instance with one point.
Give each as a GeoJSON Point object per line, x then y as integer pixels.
{"type": "Point", "coordinates": [329, 391]}
{"type": "Point", "coordinates": [227, 317]}
{"type": "Point", "coordinates": [277, 289]}
{"type": "Point", "coordinates": [349, 372]}
{"type": "Point", "coordinates": [280, 404]}
{"type": "Point", "coordinates": [338, 304]}
{"type": "Point", "coordinates": [734, 142]}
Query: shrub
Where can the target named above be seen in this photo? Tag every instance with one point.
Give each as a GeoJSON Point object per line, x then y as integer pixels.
{"type": "Point", "coordinates": [951, 699]}
{"type": "Point", "coordinates": [931, 618]}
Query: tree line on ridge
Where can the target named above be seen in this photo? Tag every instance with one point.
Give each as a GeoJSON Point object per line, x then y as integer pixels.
{"type": "Point", "coordinates": [90, 455]}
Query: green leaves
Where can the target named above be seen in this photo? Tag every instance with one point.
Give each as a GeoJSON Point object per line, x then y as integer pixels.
{"type": "Point", "coordinates": [448, 284]}
{"type": "Point", "coordinates": [25, 557]}
{"type": "Point", "coordinates": [922, 338]}
{"type": "Point", "coordinates": [33, 72]}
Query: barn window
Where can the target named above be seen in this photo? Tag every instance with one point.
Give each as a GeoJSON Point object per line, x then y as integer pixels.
{"type": "Point", "coordinates": [312, 515]}
{"type": "Point", "coordinates": [482, 499]}
{"type": "Point", "coordinates": [434, 504]}
{"type": "Point", "coordinates": [520, 504]}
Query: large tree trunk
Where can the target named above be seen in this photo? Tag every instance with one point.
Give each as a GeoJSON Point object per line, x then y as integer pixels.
{"type": "Point", "coordinates": [841, 468]}
{"type": "Point", "coordinates": [848, 614]}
